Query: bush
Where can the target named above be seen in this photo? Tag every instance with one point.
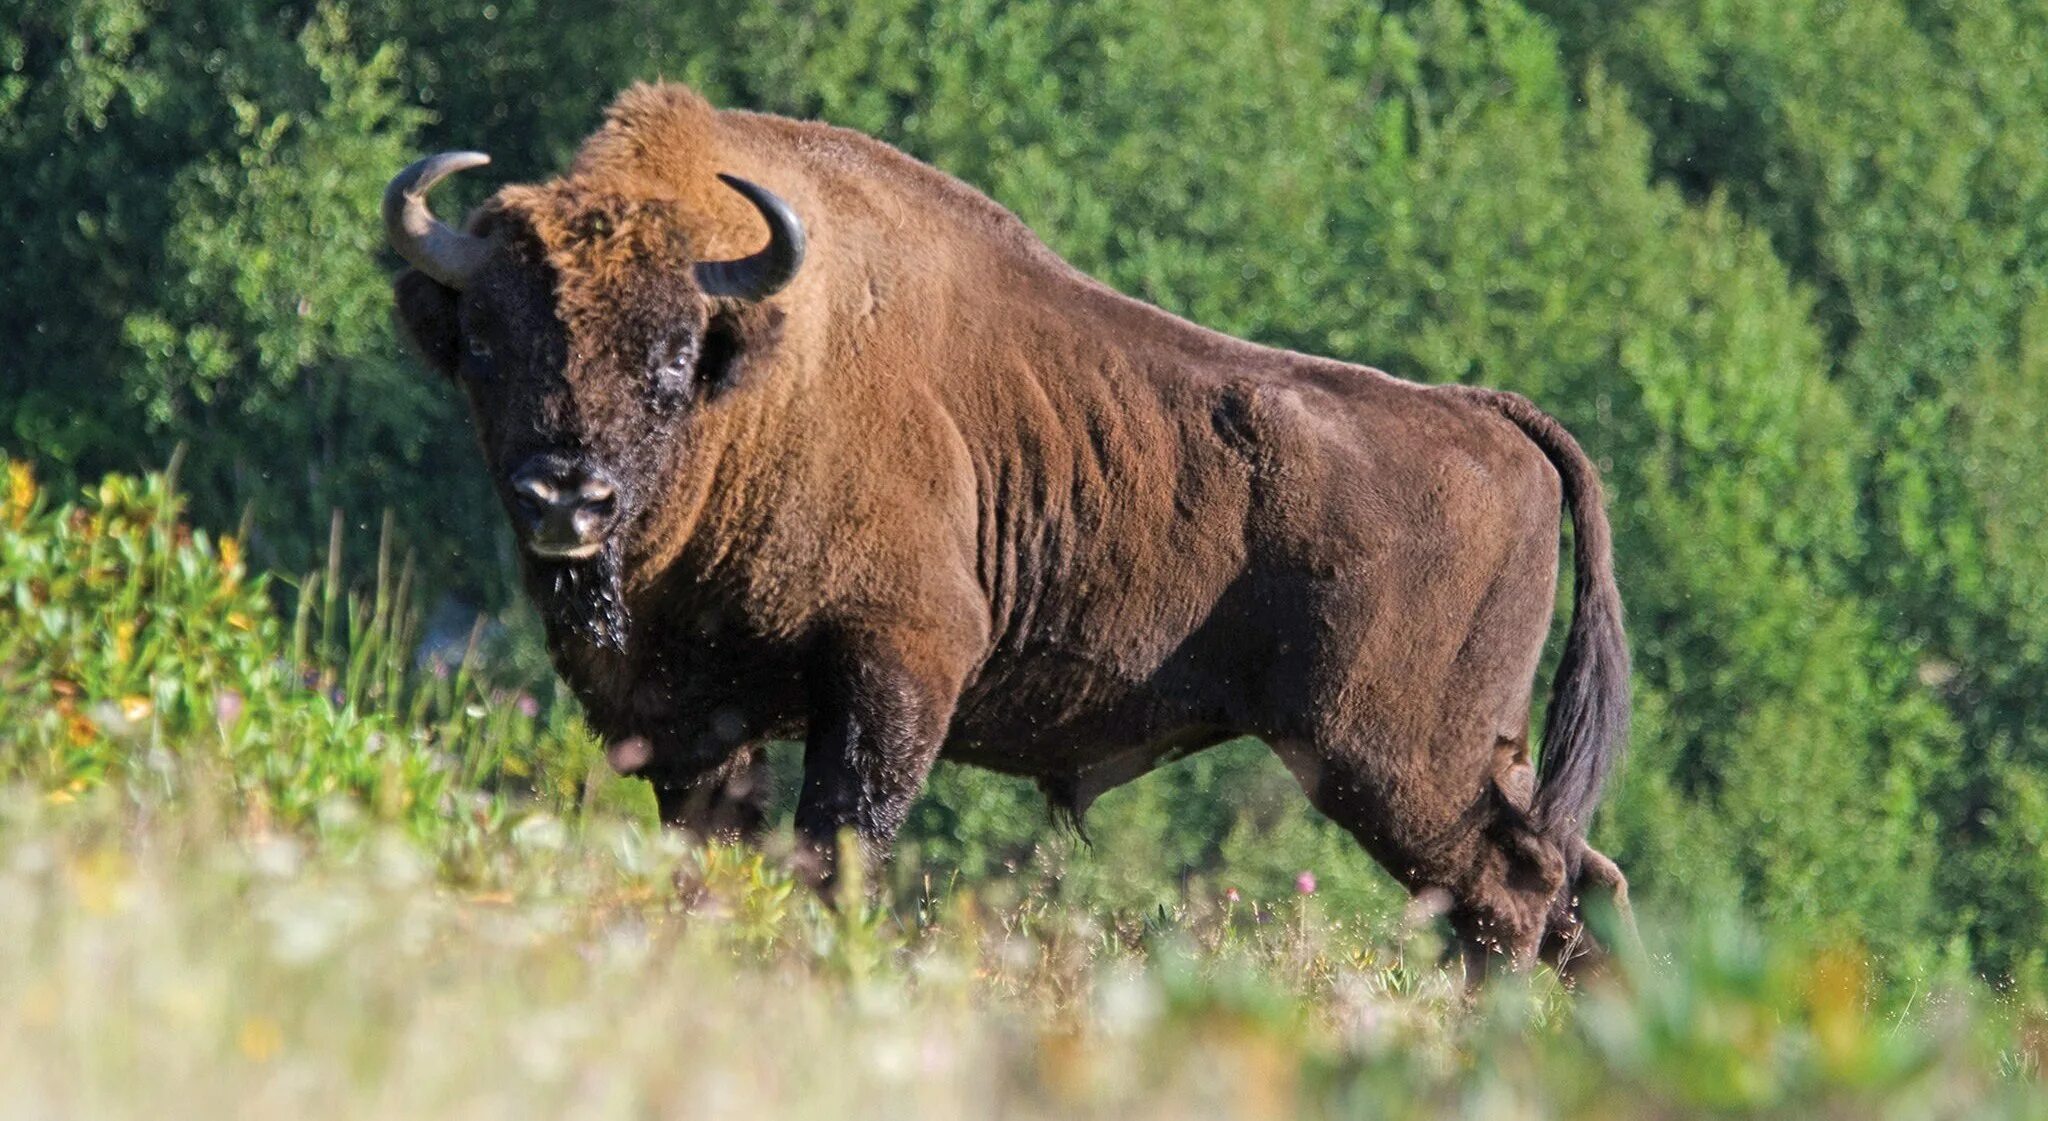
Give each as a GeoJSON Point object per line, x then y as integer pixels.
{"type": "Point", "coordinates": [139, 651]}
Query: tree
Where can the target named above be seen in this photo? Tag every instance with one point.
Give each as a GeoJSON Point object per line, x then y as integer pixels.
{"type": "Point", "coordinates": [207, 239]}
{"type": "Point", "coordinates": [1897, 155]}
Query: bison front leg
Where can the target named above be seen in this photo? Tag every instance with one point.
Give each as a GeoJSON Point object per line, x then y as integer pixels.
{"type": "Point", "coordinates": [878, 714]}
{"type": "Point", "coordinates": [728, 803]}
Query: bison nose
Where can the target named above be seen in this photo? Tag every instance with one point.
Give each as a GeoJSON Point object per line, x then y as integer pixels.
{"type": "Point", "coordinates": [565, 508]}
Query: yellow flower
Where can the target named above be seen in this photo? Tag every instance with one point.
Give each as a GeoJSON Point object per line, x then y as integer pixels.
{"type": "Point", "coordinates": [124, 641]}
{"type": "Point", "coordinates": [135, 707]}
{"type": "Point", "coordinates": [1834, 1000]}
{"type": "Point", "coordinates": [21, 491]}
{"type": "Point", "coordinates": [81, 729]}
{"type": "Point", "coordinates": [230, 561]}
{"type": "Point", "coordinates": [260, 1038]}
{"type": "Point", "coordinates": [239, 621]}
{"type": "Point", "coordinates": [99, 880]}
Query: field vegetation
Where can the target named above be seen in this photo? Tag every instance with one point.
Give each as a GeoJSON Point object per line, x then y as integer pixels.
{"type": "Point", "coordinates": [293, 814]}
{"type": "Point", "coordinates": [257, 861]}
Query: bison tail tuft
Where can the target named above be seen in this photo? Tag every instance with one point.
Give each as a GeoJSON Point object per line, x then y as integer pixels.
{"type": "Point", "coordinates": [1587, 722]}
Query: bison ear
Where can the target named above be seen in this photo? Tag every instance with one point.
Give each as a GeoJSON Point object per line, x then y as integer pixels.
{"type": "Point", "coordinates": [739, 340]}
{"type": "Point", "coordinates": [427, 314]}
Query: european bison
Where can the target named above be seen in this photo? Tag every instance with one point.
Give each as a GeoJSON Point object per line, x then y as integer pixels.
{"type": "Point", "coordinates": [840, 450]}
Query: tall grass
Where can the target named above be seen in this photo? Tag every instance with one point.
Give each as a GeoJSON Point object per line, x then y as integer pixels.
{"type": "Point", "coordinates": [158, 965]}
{"type": "Point", "coordinates": [257, 861]}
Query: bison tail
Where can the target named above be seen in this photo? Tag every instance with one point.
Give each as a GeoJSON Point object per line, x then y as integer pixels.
{"type": "Point", "coordinates": [1587, 722]}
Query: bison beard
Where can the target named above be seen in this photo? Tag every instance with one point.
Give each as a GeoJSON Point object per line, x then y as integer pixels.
{"type": "Point", "coordinates": [583, 598]}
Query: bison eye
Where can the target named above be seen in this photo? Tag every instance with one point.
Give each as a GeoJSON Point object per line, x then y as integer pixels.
{"type": "Point", "coordinates": [675, 373]}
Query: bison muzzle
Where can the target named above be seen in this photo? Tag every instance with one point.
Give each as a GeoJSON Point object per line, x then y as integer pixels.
{"type": "Point", "coordinates": [804, 438]}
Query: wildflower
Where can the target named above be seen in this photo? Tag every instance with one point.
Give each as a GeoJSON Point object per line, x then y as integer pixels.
{"type": "Point", "coordinates": [99, 881]}
{"type": "Point", "coordinates": [528, 707]}
{"type": "Point", "coordinates": [1230, 896]}
{"type": "Point", "coordinates": [21, 491]}
{"type": "Point", "coordinates": [629, 754]}
{"type": "Point", "coordinates": [1305, 883]}
{"type": "Point", "coordinates": [227, 708]}
{"type": "Point", "coordinates": [239, 621]}
{"type": "Point", "coordinates": [230, 560]}
{"type": "Point", "coordinates": [1834, 1001]}
{"type": "Point", "coordinates": [121, 718]}
{"type": "Point", "coordinates": [260, 1038]}
{"type": "Point", "coordinates": [81, 729]}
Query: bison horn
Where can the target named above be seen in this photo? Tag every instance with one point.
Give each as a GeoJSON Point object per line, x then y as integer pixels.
{"type": "Point", "coordinates": [423, 240]}
{"type": "Point", "coordinates": [765, 273]}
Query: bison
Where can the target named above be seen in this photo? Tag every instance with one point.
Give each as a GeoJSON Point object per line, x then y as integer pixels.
{"type": "Point", "coordinates": [804, 438]}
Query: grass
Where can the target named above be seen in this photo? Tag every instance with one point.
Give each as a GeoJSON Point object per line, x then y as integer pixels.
{"type": "Point", "coordinates": [256, 862]}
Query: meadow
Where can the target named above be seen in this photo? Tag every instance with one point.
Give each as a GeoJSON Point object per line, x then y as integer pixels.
{"type": "Point", "coordinates": [295, 816]}
{"type": "Point", "coordinates": [1780, 265]}
{"type": "Point", "coordinates": [256, 860]}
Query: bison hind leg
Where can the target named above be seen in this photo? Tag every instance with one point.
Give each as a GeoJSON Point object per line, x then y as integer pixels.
{"type": "Point", "coordinates": [1481, 863]}
{"type": "Point", "coordinates": [1504, 899]}
{"type": "Point", "coordinates": [1599, 891]}
{"type": "Point", "coordinates": [1533, 898]}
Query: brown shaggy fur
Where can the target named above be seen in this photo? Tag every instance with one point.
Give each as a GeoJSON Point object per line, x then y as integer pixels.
{"type": "Point", "coordinates": [945, 495]}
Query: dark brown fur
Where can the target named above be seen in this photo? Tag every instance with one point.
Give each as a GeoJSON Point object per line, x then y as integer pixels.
{"type": "Point", "coordinates": [947, 495]}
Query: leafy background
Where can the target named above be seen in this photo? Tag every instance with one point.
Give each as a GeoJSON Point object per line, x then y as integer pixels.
{"type": "Point", "coordinates": [1782, 265]}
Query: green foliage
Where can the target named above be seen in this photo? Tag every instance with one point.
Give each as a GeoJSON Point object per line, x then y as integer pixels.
{"type": "Point", "coordinates": [198, 264]}
{"type": "Point", "coordinates": [136, 651]}
{"type": "Point", "coordinates": [1783, 267]}
{"type": "Point", "coordinates": [1897, 156]}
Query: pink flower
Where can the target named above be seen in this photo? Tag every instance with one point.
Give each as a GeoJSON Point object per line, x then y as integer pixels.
{"type": "Point", "coordinates": [227, 707]}
{"type": "Point", "coordinates": [629, 754]}
{"type": "Point", "coordinates": [528, 707]}
{"type": "Point", "coordinates": [1305, 883]}
{"type": "Point", "coordinates": [1230, 895]}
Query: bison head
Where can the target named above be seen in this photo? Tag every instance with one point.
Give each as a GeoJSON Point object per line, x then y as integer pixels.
{"type": "Point", "coordinates": [587, 337]}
